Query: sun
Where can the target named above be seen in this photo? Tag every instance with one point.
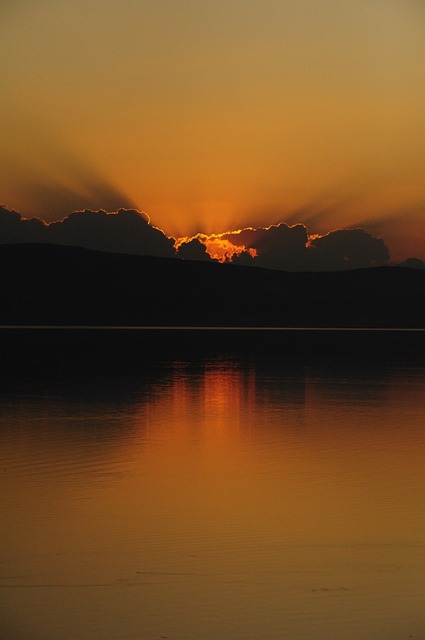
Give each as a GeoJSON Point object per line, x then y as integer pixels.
{"type": "Point", "coordinates": [219, 247]}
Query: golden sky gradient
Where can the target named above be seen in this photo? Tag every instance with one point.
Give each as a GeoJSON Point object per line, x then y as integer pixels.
{"type": "Point", "coordinates": [211, 116]}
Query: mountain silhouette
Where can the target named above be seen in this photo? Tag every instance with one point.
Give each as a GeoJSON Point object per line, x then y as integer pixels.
{"type": "Point", "coordinates": [58, 285]}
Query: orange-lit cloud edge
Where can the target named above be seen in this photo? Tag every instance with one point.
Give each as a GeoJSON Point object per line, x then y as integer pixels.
{"type": "Point", "coordinates": [277, 246]}
{"type": "Point", "coordinates": [219, 247]}
{"type": "Point", "coordinates": [235, 246]}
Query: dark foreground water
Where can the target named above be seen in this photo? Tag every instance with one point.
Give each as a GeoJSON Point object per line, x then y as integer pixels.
{"type": "Point", "coordinates": [243, 489]}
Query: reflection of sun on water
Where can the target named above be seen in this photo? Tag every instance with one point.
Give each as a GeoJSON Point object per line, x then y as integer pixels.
{"type": "Point", "coordinates": [308, 438]}
{"type": "Point", "coordinates": [233, 500]}
{"type": "Point", "coordinates": [217, 400]}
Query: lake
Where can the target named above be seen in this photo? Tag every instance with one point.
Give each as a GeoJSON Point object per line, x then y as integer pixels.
{"type": "Point", "coordinates": [256, 490]}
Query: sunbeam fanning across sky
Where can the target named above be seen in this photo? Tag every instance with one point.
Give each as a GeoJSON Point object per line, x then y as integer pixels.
{"type": "Point", "coordinates": [212, 337]}
{"type": "Point", "coordinates": [218, 116]}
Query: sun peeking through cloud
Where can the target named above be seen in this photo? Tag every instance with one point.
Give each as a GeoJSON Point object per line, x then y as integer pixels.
{"type": "Point", "coordinates": [290, 248]}
{"type": "Point", "coordinates": [254, 245]}
{"type": "Point", "coordinates": [281, 247]}
{"type": "Point", "coordinates": [217, 246]}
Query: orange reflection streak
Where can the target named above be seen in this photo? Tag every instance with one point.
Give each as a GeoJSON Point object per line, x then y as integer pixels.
{"type": "Point", "coordinates": [200, 407]}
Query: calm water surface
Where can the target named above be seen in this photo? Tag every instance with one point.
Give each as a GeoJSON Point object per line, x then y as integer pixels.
{"type": "Point", "coordinates": [220, 497]}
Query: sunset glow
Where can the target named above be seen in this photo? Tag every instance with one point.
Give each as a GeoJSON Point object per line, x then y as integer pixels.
{"type": "Point", "coordinates": [218, 246]}
{"type": "Point", "coordinates": [215, 116]}
{"type": "Point", "coordinates": [281, 246]}
{"type": "Point", "coordinates": [212, 336]}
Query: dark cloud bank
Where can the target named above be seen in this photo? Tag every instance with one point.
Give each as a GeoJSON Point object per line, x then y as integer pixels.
{"type": "Point", "coordinates": [128, 231]}
{"type": "Point", "coordinates": [290, 249]}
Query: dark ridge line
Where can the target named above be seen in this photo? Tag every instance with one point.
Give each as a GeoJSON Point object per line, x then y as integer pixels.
{"type": "Point", "coordinates": [53, 286]}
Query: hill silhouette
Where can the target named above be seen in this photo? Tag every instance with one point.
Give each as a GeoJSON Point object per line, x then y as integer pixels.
{"type": "Point", "coordinates": [60, 285]}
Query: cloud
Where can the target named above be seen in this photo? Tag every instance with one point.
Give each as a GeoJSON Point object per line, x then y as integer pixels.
{"type": "Point", "coordinates": [127, 231]}
{"type": "Point", "coordinates": [290, 248]}
{"type": "Point", "coordinates": [15, 229]}
{"type": "Point", "coordinates": [217, 246]}
{"type": "Point", "coordinates": [193, 249]}
{"type": "Point", "coordinates": [347, 249]}
{"type": "Point", "coordinates": [277, 247]}
{"type": "Point", "coordinates": [402, 227]}
{"type": "Point", "coordinates": [281, 247]}
{"type": "Point", "coordinates": [244, 258]}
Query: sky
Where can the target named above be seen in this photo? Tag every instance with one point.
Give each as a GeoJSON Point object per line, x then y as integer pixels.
{"type": "Point", "coordinates": [216, 116]}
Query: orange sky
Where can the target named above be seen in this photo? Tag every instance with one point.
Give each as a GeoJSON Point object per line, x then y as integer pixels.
{"type": "Point", "coordinates": [211, 116]}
